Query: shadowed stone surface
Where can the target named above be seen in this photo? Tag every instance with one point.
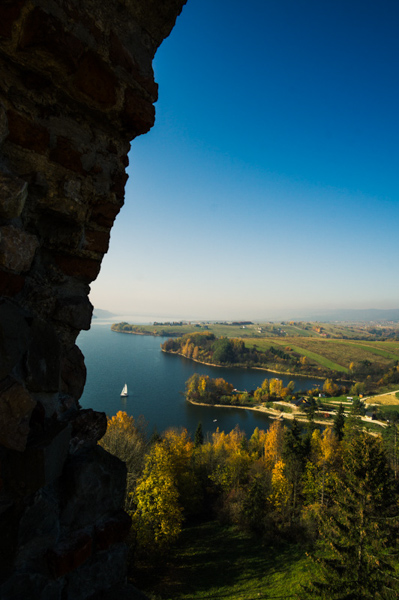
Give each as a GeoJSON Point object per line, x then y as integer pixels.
{"type": "Point", "coordinates": [76, 86]}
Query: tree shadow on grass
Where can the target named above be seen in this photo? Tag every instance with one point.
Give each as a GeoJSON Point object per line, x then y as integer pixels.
{"type": "Point", "coordinates": [217, 562]}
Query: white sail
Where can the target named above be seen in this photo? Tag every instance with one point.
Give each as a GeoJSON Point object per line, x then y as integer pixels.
{"type": "Point", "coordinates": [124, 390]}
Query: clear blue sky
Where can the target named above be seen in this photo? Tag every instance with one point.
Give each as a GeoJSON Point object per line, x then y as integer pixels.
{"type": "Point", "coordinates": [269, 184]}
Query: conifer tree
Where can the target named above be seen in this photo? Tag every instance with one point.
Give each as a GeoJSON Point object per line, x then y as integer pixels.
{"type": "Point", "coordinates": [294, 453]}
{"type": "Point", "coordinates": [354, 557]}
{"type": "Point", "coordinates": [339, 422]}
{"type": "Point", "coordinates": [199, 436]}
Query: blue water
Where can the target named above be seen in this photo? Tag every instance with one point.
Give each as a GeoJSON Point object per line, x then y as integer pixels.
{"type": "Point", "coordinates": [156, 382]}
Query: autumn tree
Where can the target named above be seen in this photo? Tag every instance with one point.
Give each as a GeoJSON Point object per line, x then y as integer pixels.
{"type": "Point", "coordinates": [330, 388]}
{"type": "Point", "coordinates": [126, 438]}
{"type": "Point", "coordinates": [158, 517]}
{"type": "Point", "coordinates": [273, 444]}
{"type": "Point", "coordinates": [281, 489]}
{"type": "Point", "coordinates": [321, 471]}
{"type": "Point", "coordinates": [180, 449]}
{"type": "Point", "coordinates": [201, 388]}
{"type": "Point", "coordinates": [261, 394]}
{"type": "Point", "coordinates": [233, 459]}
{"type": "Point", "coordinates": [275, 388]}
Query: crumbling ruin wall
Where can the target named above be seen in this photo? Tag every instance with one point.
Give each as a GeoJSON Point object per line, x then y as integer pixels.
{"type": "Point", "coordinates": [76, 86]}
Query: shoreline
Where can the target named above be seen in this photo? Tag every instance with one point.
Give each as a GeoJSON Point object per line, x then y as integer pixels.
{"type": "Point", "coordinates": [200, 362]}
{"type": "Point", "coordinates": [272, 413]}
{"type": "Point", "coordinates": [307, 375]}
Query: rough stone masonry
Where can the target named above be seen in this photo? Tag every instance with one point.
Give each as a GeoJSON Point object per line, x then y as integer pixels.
{"type": "Point", "coordinates": [76, 86]}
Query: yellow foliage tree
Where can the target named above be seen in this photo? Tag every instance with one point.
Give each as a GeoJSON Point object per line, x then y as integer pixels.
{"type": "Point", "coordinates": [276, 387]}
{"type": "Point", "coordinates": [180, 448]}
{"type": "Point", "coordinates": [281, 488]}
{"type": "Point", "coordinates": [330, 387]}
{"type": "Point", "coordinates": [158, 517]}
{"type": "Point", "coordinates": [126, 439]}
{"type": "Point", "coordinates": [231, 458]}
{"type": "Point", "coordinates": [273, 444]}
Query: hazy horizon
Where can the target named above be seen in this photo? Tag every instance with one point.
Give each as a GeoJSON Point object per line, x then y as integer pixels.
{"type": "Point", "coordinates": [333, 315]}
{"type": "Point", "coordinates": [269, 180]}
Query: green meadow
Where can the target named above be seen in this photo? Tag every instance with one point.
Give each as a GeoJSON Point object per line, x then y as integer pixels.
{"type": "Point", "coordinates": [214, 562]}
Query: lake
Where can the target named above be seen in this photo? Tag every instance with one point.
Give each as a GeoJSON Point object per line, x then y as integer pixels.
{"type": "Point", "coordinates": [156, 382]}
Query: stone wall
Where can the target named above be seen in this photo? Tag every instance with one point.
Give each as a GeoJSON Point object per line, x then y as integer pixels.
{"type": "Point", "coordinates": [76, 86]}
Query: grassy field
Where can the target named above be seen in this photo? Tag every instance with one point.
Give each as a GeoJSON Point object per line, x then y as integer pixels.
{"type": "Point", "coordinates": [214, 562]}
{"type": "Point", "coordinates": [390, 399]}
{"type": "Point", "coordinates": [300, 338]}
{"type": "Point", "coordinates": [375, 349]}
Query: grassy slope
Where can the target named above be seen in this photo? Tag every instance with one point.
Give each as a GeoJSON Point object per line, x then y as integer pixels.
{"type": "Point", "coordinates": [214, 561]}
{"type": "Point", "coordinates": [374, 349]}
{"type": "Point", "coordinates": [303, 350]}
{"type": "Point", "coordinates": [335, 354]}
{"type": "Point", "coordinates": [343, 352]}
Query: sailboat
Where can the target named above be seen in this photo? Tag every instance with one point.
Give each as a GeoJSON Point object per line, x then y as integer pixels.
{"type": "Point", "coordinates": [124, 392]}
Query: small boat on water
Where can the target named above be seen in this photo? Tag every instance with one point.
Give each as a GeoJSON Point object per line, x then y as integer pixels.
{"type": "Point", "coordinates": [124, 392]}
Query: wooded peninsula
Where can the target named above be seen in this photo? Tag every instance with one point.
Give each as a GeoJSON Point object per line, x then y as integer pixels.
{"type": "Point", "coordinates": [367, 354]}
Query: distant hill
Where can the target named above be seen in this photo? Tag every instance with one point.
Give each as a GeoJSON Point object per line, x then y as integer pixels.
{"type": "Point", "coordinates": [357, 315]}
{"type": "Point", "coordinates": [99, 313]}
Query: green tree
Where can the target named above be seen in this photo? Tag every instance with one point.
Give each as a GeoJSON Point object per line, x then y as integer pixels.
{"type": "Point", "coordinates": [357, 388]}
{"type": "Point", "coordinates": [223, 351]}
{"type": "Point", "coordinates": [294, 453]}
{"type": "Point", "coordinates": [354, 557]}
{"type": "Point", "coordinates": [199, 436]}
{"type": "Point", "coordinates": [339, 422]}
{"type": "Point", "coordinates": [391, 444]}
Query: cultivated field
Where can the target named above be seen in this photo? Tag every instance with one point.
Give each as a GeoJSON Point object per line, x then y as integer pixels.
{"type": "Point", "coordinates": [320, 343]}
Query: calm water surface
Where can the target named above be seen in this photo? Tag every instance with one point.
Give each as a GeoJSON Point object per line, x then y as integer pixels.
{"type": "Point", "coordinates": [156, 383]}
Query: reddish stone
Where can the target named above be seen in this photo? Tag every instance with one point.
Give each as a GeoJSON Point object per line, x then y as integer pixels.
{"type": "Point", "coordinates": [138, 113]}
{"type": "Point", "coordinates": [79, 267]}
{"type": "Point", "coordinates": [9, 13]}
{"type": "Point", "coordinates": [97, 241]}
{"type": "Point", "coordinates": [46, 32]}
{"type": "Point", "coordinates": [10, 284]}
{"type": "Point", "coordinates": [96, 80]}
{"type": "Point", "coordinates": [119, 182]}
{"type": "Point", "coordinates": [70, 555]}
{"type": "Point", "coordinates": [27, 134]}
{"type": "Point", "coordinates": [112, 531]}
{"type": "Point", "coordinates": [104, 213]}
{"type": "Point", "coordinates": [64, 154]}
